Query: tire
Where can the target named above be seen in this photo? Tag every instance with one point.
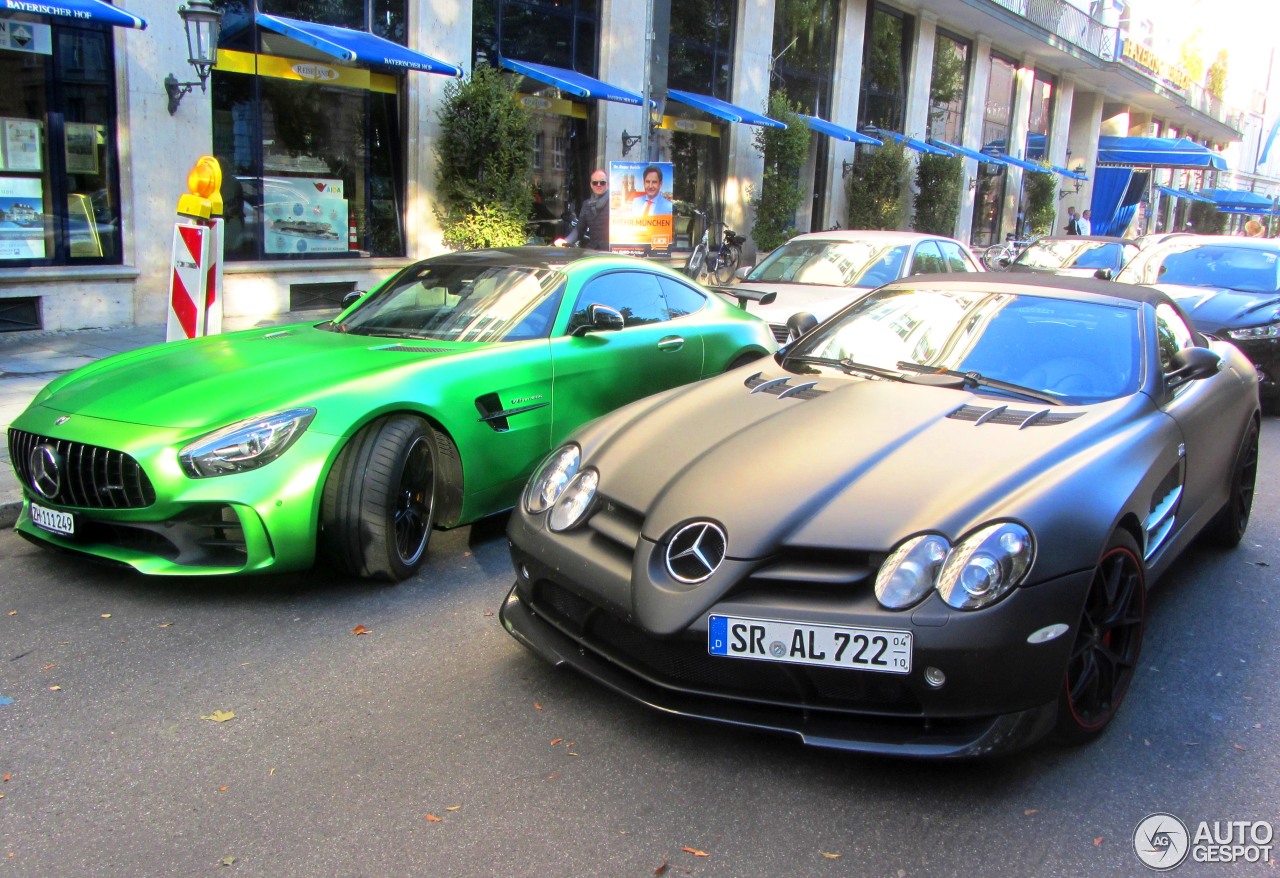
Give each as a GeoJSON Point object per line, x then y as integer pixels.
{"type": "Point", "coordinates": [727, 266]}
{"type": "Point", "coordinates": [996, 258]}
{"type": "Point", "coordinates": [1107, 643]}
{"type": "Point", "coordinates": [1228, 526]}
{"type": "Point", "coordinates": [378, 506]}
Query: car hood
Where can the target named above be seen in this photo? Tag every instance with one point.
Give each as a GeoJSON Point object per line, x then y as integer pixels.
{"type": "Point", "coordinates": [217, 380]}
{"type": "Point", "coordinates": [820, 301]}
{"type": "Point", "coordinates": [845, 463]}
{"type": "Point", "coordinates": [1213, 309]}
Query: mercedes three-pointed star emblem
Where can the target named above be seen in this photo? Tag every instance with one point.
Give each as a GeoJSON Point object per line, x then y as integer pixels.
{"type": "Point", "coordinates": [45, 465]}
{"type": "Point", "coordinates": [696, 551]}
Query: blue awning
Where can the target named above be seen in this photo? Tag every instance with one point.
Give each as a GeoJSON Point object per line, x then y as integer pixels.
{"type": "Point", "coordinates": [909, 142]}
{"type": "Point", "coordinates": [76, 10]}
{"type": "Point", "coordinates": [1024, 164]}
{"type": "Point", "coordinates": [1157, 152]}
{"type": "Point", "coordinates": [839, 132]}
{"type": "Point", "coordinates": [722, 109]}
{"type": "Point", "coordinates": [1238, 200]}
{"type": "Point", "coordinates": [573, 82]}
{"type": "Point", "coordinates": [1068, 173]}
{"type": "Point", "coordinates": [1173, 192]}
{"type": "Point", "coordinates": [965, 151]}
{"type": "Point", "coordinates": [356, 46]}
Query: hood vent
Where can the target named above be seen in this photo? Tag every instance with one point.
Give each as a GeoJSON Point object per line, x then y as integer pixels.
{"type": "Point", "coordinates": [1019, 418]}
{"type": "Point", "coordinates": [413, 349]}
{"type": "Point", "coordinates": [782, 387]}
{"type": "Point", "coordinates": [282, 334]}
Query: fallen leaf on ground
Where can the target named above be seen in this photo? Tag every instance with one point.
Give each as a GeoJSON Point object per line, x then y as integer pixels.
{"type": "Point", "coordinates": [227, 861]}
{"type": "Point", "coordinates": [695, 852]}
{"type": "Point", "coordinates": [662, 867]}
{"type": "Point", "coordinates": [1030, 811]}
{"type": "Point", "coordinates": [827, 856]}
{"type": "Point", "coordinates": [453, 808]}
{"type": "Point", "coordinates": [48, 667]}
{"type": "Point", "coordinates": [106, 615]}
{"type": "Point", "coordinates": [555, 775]}
{"type": "Point", "coordinates": [165, 624]}
{"type": "Point", "coordinates": [488, 612]}
{"type": "Point", "coordinates": [222, 789]}
{"type": "Point", "coordinates": [13, 612]}
{"type": "Point", "coordinates": [1097, 842]}
{"type": "Point", "coordinates": [55, 688]}
{"type": "Point", "coordinates": [360, 629]}
{"type": "Point", "coordinates": [537, 706]}
{"type": "Point", "coordinates": [220, 716]}
{"type": "Point", "coordinates": [434, 819]}
{"type": "Point", "coordinates": [555, 741]}
{"type": "Point", "coordinates": [6, 778]}
{"type": "Point", "coordinates": [1238, 746]}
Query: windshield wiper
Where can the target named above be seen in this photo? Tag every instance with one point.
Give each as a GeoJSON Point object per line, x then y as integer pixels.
{"type": "Point", "coordinates": [849, 366]}
{"type": "Point", "coordinates": [975, 379]}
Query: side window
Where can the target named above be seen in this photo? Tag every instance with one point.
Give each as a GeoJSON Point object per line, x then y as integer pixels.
{"type": "Point", "coordinates": [955, 258]}
{"type": "Point", "coordinates": [633, 294]}
{"type": "Point", "coordinates": [1172, 334]}
{"type": "Point", "coordinates": [681, 300]}
{"type": "Point", "coordinates": [927, 258]}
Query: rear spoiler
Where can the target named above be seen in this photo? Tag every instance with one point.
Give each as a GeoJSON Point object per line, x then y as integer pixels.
{"type": "Point", "coordinates": [744, 296]}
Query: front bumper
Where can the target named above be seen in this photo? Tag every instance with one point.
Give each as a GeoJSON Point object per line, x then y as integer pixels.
{"type": "Point", "coordinates": [1264, 353]}
{"type": "Point", "coordinates": [1000, 691]}
{"type": "Point", "coordinates": [258, 521]}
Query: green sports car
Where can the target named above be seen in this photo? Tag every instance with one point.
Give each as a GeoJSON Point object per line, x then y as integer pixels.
{"type": "Point", "coordinates": [426, 403]}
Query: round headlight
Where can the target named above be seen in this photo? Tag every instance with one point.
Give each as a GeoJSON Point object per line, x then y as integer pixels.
{"type": "Point", "coordinates": [910, 571]}
{"type": "Point", "coordinates": [986, 565]}
{"type": "Point", "coordinates": [575, 501]}
{"type": "Point", "coordinates": [550, 480]}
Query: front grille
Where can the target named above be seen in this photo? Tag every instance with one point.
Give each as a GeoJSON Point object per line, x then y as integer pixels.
{"type": "Point", "coordinates": [91, 477]}
{"type": "Point", "coordinates": [684, 663]}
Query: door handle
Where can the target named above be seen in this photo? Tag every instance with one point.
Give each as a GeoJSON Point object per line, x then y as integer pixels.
{"type": "Point", "coordinates": [671, 343]}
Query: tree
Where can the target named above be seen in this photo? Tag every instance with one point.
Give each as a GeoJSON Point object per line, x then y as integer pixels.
{"type": "Point", "coordinates": [1216, 76]}
{"type": "Point", "coordinates": [484, 162]}
{"type": "Point", "coordinates": [875, 188]}
{"type": "Point", "coordinates": [785, 151]}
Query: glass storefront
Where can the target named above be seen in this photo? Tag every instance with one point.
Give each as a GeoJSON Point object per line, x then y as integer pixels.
{"type": "Point", "coordinates": [949, 88]}
{"type": "Point", "coordinates": [310, 148]}
{"type": "Point", "coordinates": [59, 174]}
{"type": "Point", "coordinates": [997, 124]}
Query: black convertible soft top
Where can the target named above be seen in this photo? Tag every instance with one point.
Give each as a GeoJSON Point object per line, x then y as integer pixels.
{"type": "Point", "coordinates": [1032, 284]}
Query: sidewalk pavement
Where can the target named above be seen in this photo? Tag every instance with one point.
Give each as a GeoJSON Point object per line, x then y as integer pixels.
{"type": "Point", "coordinates": [30, 360]}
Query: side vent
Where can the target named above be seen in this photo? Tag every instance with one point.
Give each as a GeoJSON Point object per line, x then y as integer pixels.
{"type": "Point", "coordinates": [1021, 418]}
{"type": "Point", "coordinates": [782, 387]}
{"type": "Point", "coordinates": [412, 349]}
{"type": "Point", "coordinates": [282, 334]}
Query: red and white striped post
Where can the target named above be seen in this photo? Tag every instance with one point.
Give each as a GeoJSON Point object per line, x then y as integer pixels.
{"type": "Point", "coordinates": [195, 276]}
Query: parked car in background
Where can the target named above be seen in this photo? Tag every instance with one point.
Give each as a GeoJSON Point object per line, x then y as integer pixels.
{"type": "Point", "coordinates": [926, 528]}
{"type": "Point", "coordinates": [821, 272]}
{"type": "Point", "coordinates": [1229, 286]}
{"type": "Point", "coordinates": [426, 403]}
{"type": "Point", "coordinates": [1075, 255]}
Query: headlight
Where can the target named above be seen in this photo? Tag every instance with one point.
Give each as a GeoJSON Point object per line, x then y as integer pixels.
{"type": "Point", "coordinates": [575, 501]}
{"type": "Point", "coordinates": [986, 565]}
{"type": "Point", "coordinates": [1271, 330]}
{"type": "Point", "coordinates": [910, 571]}
{"type": "Point", "coordinates": [549, 482]}
{"type": "Point", "coordinates": [244, 446]}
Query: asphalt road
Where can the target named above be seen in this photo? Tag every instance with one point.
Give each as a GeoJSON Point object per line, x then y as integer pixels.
{"type": "Point", "coordinates": [434, 745]}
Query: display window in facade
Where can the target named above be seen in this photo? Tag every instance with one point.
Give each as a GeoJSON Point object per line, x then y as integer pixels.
{"type": "Point", "coordinates": [948, 88]}
{"type": "Point", "coordinates": [997, 123]}
{"type": "Point", "coordinates": [309, 137]}
{"type": "Point", "coordinates": [59, 170]}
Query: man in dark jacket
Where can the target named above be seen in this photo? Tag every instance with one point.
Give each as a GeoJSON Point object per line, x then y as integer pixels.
{"type": "Point", "coordinates": [592, 229]}
{"type": "Point", "coordinates": [1073, 222]}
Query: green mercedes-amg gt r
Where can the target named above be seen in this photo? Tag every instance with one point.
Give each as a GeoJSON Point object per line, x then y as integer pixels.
{"type": "Point", "coordinates": [425, 404]}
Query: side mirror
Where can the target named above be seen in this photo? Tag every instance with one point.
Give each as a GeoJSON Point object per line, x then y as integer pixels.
{"type": "Point", "coordinates": [1104, 274]}
{"type": "Point", "coordinates": [800, 323]}
{"type": "Point", "coordinates": [743, 271]}
{"type": "Point", "coordinates": [351, 298]}
{"type": "Point", "coordinates": [601, 318]}
{"type": "Point", "coordinates": [1191, 364]}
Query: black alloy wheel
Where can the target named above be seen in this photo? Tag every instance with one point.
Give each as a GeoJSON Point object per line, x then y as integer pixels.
{"type": "Point", "coordinates": [1108, 641]}
{"type": "Point", "coordinates": [1228, 528]}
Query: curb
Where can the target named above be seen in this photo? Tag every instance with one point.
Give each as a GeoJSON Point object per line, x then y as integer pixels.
{"type": "Point", "coordinates": [9, 510]}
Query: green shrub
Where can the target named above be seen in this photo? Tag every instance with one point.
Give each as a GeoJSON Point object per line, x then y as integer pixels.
{"type": "Point", "coordinates": [484, 162]}
{"type": "Point", "coordinates": [785, 151]}
{"type": "Point", "coordinates": [1041, 194]}
{"type": "Point", "coordinates": [875, 188]}
{"type": "Point", "coordinates": [1206, 219]}
{"type": "Point", "coordinates": [938, 179]}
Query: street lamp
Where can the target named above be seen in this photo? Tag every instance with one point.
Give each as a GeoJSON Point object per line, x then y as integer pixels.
{"type": "Point", "coordinates": [202, 23]}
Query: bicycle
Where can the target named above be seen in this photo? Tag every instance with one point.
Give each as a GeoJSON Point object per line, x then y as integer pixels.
{"type": "Point", "coordinates": [721, 264]}
{"type": "Point", "coordinates": [998, 257]}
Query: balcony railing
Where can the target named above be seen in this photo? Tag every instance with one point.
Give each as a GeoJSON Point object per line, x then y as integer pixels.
{"type": "Point", "coordinates": [1068, 23]}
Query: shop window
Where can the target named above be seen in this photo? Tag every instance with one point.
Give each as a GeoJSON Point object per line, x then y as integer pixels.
{"type": "Point", "coordinates": [59, 177]}
{"type": "Point", "coordinates": [884, 69]}
{"type": "Point", "coordinates": [988, 203]}
{"type": "Point", "coordinates": [948, 88]}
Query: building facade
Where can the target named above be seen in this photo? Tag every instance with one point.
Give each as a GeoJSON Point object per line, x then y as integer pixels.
{"type": "Point", "coordinates": [323, 115]}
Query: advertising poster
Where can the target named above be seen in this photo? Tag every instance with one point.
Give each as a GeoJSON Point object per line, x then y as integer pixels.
{"type": "Point", "coordinates": [21, 218]}
{"type": "Point", "coordinates": [640, 208]}
{"type": "Point", "coordinates": [82, 148]}
{"type": "Point", "coordinates": [304, 215]}
{"type": "Point", "coordinates": [21, 141]}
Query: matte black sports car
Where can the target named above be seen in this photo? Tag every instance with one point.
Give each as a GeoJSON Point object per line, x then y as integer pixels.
{"type": "Point", "coordinates": [1229, 287]}
{"type": "Point", "coordinates": [927, 527]}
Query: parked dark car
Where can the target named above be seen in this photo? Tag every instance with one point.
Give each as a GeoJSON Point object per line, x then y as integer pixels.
{"type": "Point", "coordinates": [925, 528]}
{"type": "Point", "coordinates": [1230, 287]}
{"type": "Point", "coordinates": [1075, 255]}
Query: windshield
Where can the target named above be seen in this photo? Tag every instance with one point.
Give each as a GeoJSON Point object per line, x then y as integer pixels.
{"type": "Point", "coordinates": [1076, 351]}
{"type": "Point", "coordinates": [1050, 255]}
{"type": "Point", "coordinates": [832, 263]}
{"type": "Point", "coordinates": [468, 301]}
{"type": "Point", "coordinates": [1247, 269]}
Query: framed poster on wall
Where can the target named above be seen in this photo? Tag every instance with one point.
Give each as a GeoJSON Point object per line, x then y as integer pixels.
{"type": "Point", "coordinates": [304, 215]}
{"type": "Point", "coordinates": [20, 139]}
{"type": "Point", "coordinates": [21, 218]}
{"type": "Point", "coordinates": [82, 148]}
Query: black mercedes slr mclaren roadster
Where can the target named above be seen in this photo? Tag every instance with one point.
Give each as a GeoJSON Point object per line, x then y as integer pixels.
{"type": "Point", "coordinates": [927, 527]}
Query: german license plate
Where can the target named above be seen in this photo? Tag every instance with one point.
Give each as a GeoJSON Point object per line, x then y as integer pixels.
{"type": "Point", "coordinates": [53, 521]}
{"type": "Point", "coordinates": [803, 643]}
